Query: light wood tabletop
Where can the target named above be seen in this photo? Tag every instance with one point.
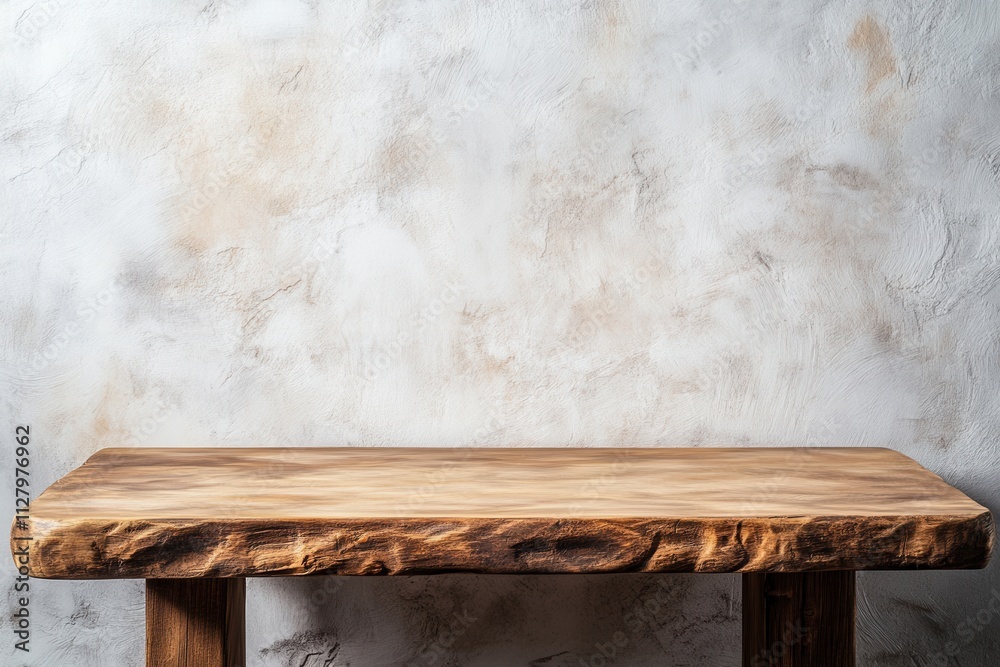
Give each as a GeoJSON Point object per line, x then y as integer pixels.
{"type": "Point", "coordinates": [797, 522]}
{"type": "Point", "coordinates": [213, 512]}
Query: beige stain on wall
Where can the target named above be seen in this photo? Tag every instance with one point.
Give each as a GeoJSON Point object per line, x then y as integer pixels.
{"type": "Point", "coordinates": [871, 41]}
{"type": "Point", "coordinates": [885, 101]}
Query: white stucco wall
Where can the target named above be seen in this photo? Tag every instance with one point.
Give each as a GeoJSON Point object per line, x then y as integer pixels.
{"type": "Point", "coordinates": [524, 223]}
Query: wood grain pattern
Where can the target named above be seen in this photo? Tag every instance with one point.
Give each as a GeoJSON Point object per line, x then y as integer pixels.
{"type": "Point", "coordinates": [794, 619]}
{"type": "Point", "coordinates": [171, 513]}
{"type": "Point", "coordinates": [193, 622]}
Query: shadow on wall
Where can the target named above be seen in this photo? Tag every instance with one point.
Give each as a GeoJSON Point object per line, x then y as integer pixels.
{"type": "Point", "coordinates": [485, 620]}
{"type": "Point", "coordinates": [632, 620]}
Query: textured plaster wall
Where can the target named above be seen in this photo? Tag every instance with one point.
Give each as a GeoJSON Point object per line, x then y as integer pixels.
{"type": "Point", "coordinates": [509, 223]}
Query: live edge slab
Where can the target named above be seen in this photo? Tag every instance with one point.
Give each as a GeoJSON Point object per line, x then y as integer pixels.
{"type": "Point", "coordinates": [798, 522]}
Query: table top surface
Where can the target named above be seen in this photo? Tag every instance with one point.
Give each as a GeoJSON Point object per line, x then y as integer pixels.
{"type": "Point", "coordinates": [128, 497]}
{"type": "Point", "coordinates": [357, 483]}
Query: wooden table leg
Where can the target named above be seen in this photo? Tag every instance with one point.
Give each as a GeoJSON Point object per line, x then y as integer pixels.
{"type": "Point", "coordinates": [195, 623]}
{"type": "Point", "coordinates": [798, 619]}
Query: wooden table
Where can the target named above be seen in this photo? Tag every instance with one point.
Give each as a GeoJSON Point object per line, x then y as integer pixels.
{"type": "Point", "coordinates": [798, 523]}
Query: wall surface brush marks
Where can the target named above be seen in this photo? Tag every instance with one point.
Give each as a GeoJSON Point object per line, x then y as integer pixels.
{"type": "Point", "coordinates": [554, 222]}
